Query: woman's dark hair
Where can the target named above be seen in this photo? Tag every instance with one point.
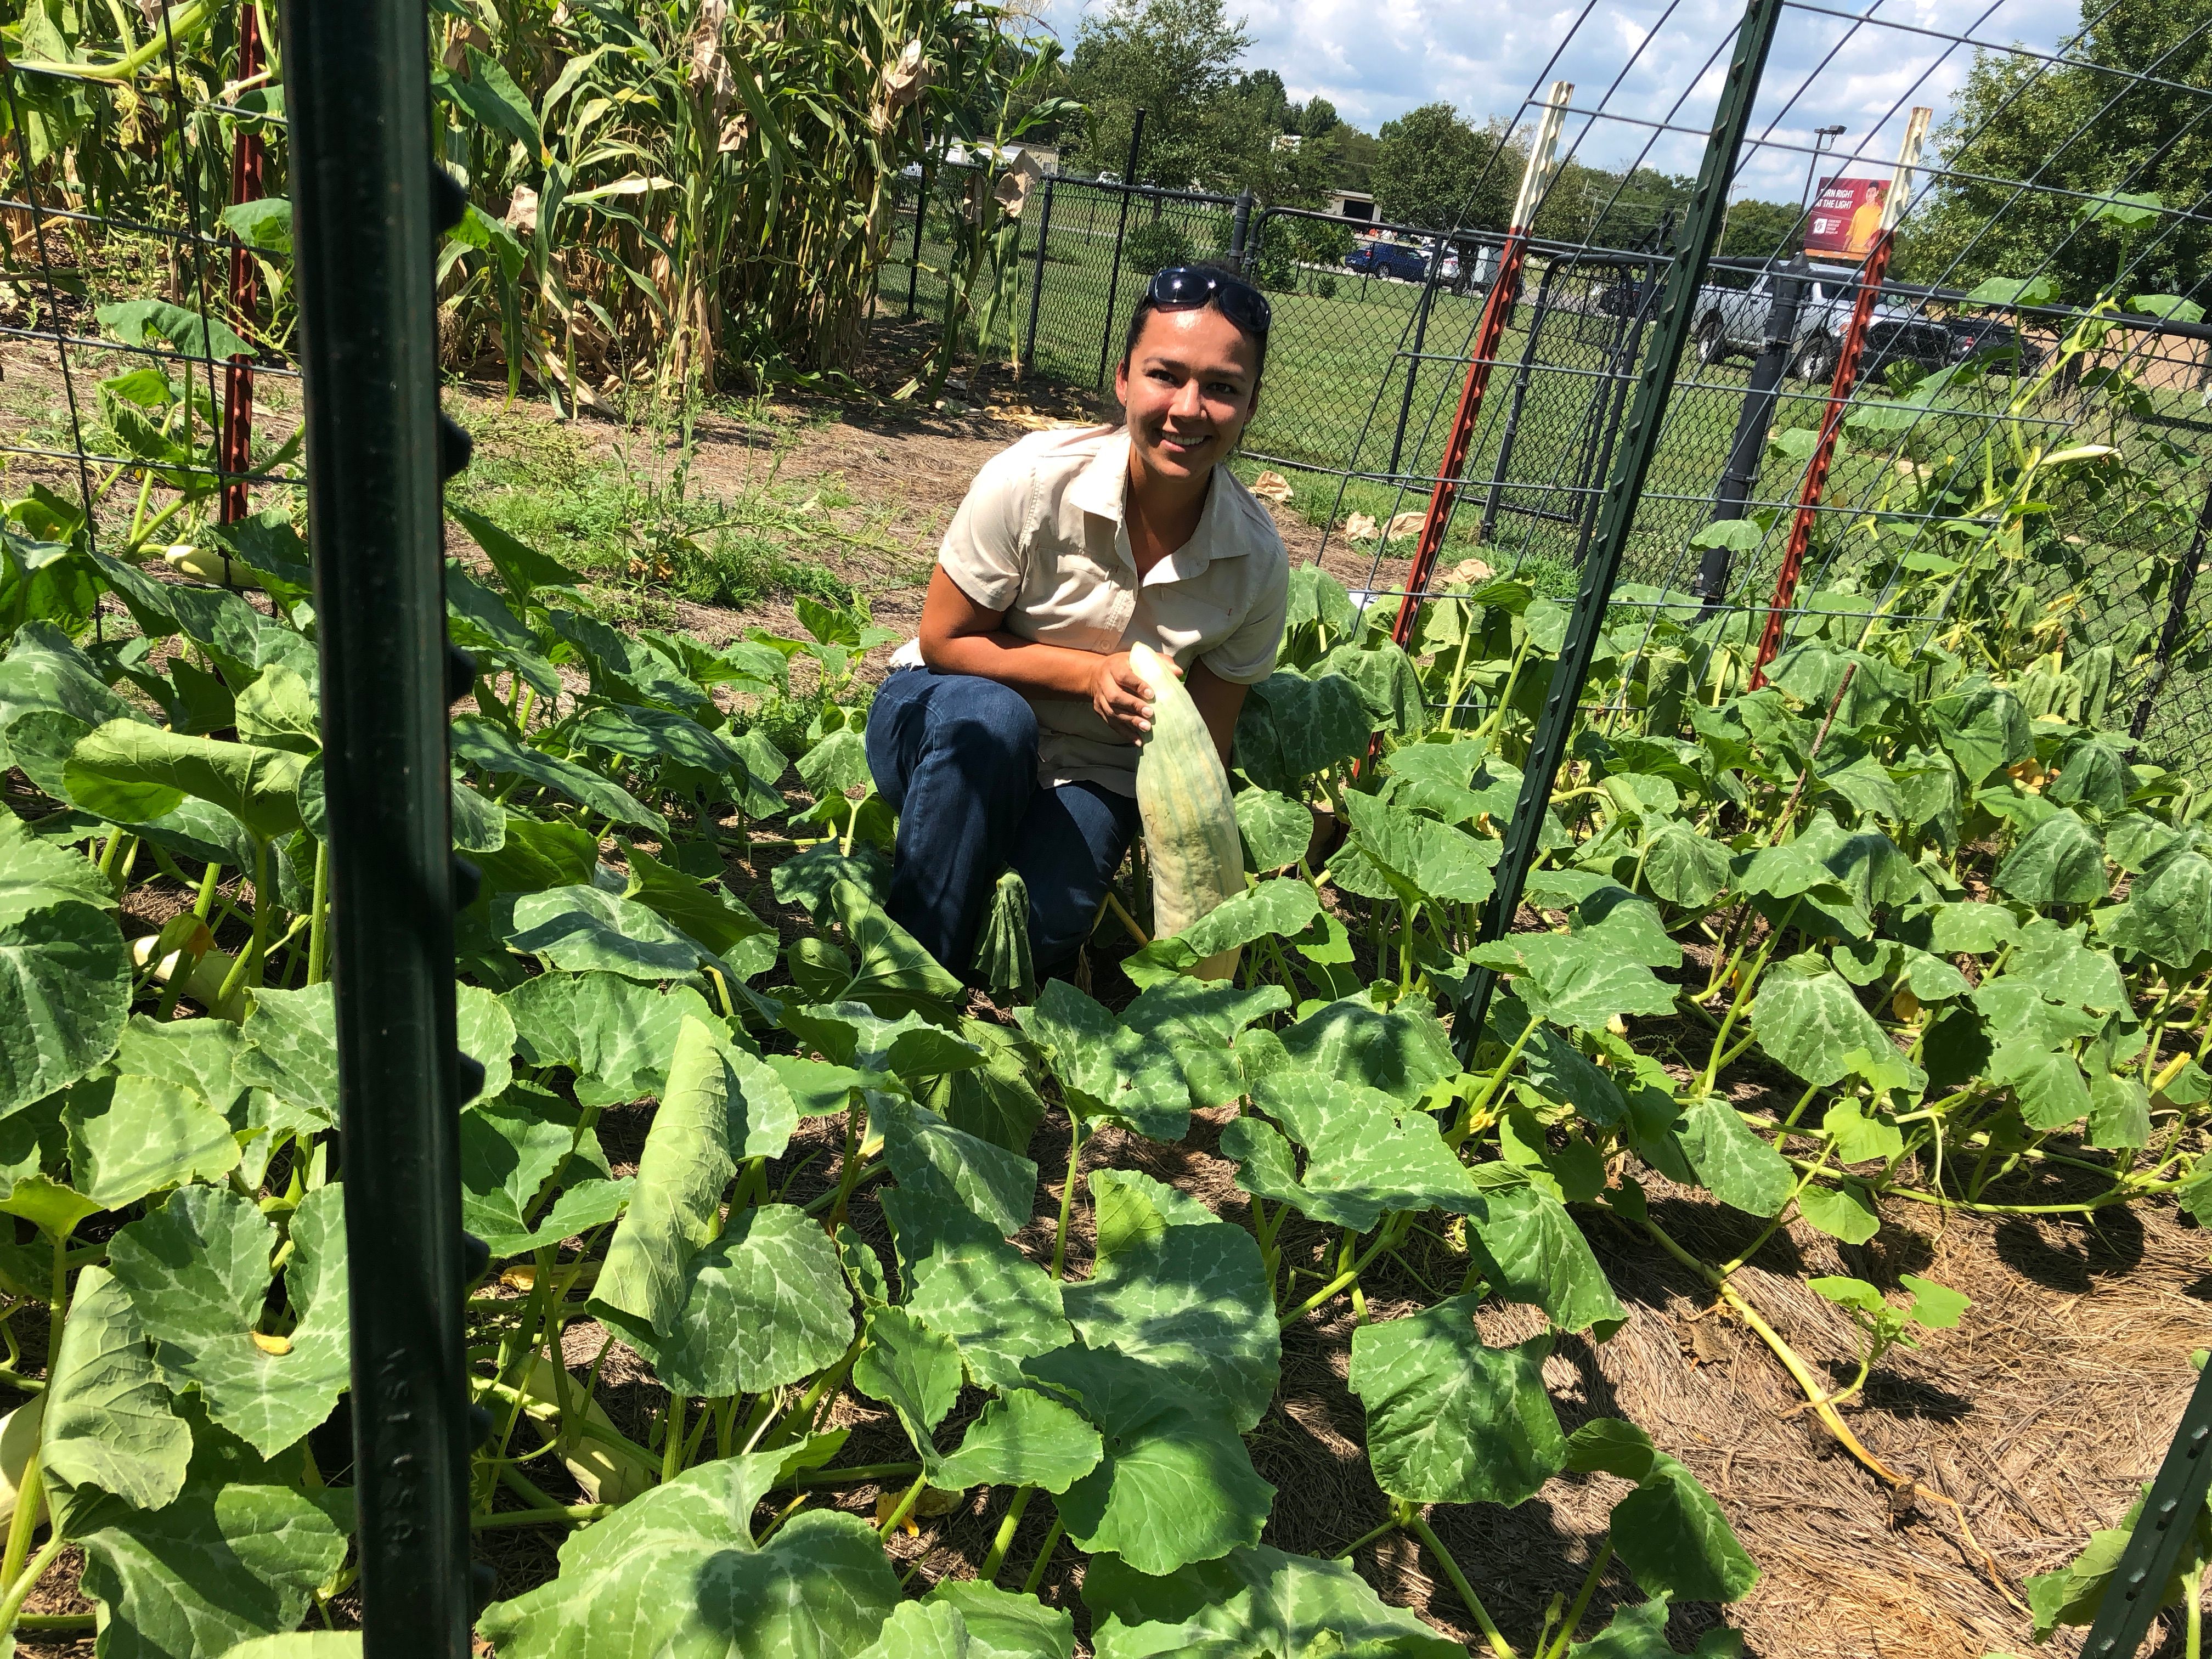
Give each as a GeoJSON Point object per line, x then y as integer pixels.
{"type": "Point", "coordinates": [1209, 286]}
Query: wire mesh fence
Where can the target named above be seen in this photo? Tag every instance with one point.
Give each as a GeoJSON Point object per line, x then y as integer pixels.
{"type": "Point", "coordinates": [151, 412]}
{"type": "Point", "coordinates": [1964, 373]}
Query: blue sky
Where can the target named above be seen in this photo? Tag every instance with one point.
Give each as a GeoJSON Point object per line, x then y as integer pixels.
{"type": "Point", "coordinates": [1374, 59]}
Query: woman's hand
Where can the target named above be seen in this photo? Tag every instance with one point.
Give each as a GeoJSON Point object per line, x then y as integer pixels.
{"type": "Point", "coordinates": [1122, 700]}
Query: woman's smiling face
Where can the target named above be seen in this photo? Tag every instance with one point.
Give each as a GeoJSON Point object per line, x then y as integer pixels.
{"type": "Point", "coordinates": [1188, 388]}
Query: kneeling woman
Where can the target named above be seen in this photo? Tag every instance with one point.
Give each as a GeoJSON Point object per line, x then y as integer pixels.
{"type": "Point", "coordinates": [1006, 735]}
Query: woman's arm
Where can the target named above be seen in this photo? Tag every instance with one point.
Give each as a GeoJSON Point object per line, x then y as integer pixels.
{"type": "Point", "coordinates": [1219, 701]}
{"type": "Point", "coordinates": [959, 637]}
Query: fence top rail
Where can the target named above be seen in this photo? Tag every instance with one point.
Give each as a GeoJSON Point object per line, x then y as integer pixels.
{"type": "Point", "coordinates": [2141, 322]}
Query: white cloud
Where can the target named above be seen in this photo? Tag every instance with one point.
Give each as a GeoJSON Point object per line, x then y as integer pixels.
{"type": "Point", "coordinates": [1374, 59]}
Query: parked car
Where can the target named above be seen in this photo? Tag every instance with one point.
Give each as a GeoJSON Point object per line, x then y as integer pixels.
{"type": "Point", "coordinates": [1998, 344]}
{"type": "Point", "coordinates": [1411, 263]}
{"type": "Point", "coordinates": [1380, 258]}
{"type": "Point", "coordinates": [1733, 321]}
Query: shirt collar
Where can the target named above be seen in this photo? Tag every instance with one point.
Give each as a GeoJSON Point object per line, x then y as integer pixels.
{"type": "Point", "coordinates": [1102, 489]}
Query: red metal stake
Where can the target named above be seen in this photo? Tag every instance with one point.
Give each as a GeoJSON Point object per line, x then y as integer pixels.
{"type": "Point", "coordinates": [1495, 310]}
{"type": "Point", "coordinates": [1816, 471]}
{"type": "Point", "coordinates": [247, 155]}
{"type": "Point", "coordinates": [1839, 394]}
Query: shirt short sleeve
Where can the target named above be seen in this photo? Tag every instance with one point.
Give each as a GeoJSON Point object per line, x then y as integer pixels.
{"type": "Point", "coordinates": [985, 549]}
{"type": "Point", "coordinates": [1248, 655]}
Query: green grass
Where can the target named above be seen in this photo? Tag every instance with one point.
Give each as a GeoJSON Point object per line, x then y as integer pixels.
{"type": "Point", "coordinates": [641, 528]}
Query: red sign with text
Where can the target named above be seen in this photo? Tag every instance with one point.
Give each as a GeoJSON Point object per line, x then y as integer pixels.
{"type": "Point", "coordinates": [1847, 216]}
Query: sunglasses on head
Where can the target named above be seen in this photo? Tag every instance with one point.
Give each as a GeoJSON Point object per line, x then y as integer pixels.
{"type": "Point", "coordinates": [1185, 287]}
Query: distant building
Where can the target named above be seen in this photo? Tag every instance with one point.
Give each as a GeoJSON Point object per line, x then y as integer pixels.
{"type": "Point", "coordinates": [1354, 204]}
{"type": "Point", "coordinates": [1287, 141]}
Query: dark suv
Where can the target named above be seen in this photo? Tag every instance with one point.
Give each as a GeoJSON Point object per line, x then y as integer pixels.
{"type": "Point", "coordinates": [1382, 259]}
{"type": "Point", "coordinates": [1997, 344]}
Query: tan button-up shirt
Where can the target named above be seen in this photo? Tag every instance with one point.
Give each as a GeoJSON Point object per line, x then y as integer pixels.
{"type": "Point", "coordinates": [1041, 537]}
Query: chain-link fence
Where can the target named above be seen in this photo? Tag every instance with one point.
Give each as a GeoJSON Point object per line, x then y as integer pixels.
{"type": "Point", "coordinates": [1085, 251]}
{"type": "Point", "coordinates": [147, 311]}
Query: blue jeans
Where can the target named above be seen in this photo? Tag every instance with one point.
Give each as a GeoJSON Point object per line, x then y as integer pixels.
{"type": "Point", "coordinates": [955, 756]}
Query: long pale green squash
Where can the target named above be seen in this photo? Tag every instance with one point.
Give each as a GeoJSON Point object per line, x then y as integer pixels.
{"type": "Point", "coordinates": [1190, 822]}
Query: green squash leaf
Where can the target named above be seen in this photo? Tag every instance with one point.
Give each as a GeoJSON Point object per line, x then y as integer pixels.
{"type": "Point", "coordinates": [1277, 830]}
{"type": "Point", "coordinates": [1023, 1438]}
{"type": "Point", "coordinates": [197, 1271]}
{"type": "Point", "coordinates": [615, 1034]}
{"type": "Point", "coordinates": [676, 1570]}
{"type": "Point", "coordinates": [1738, 1167]}
{"type": "Point", "coordinates": [912, 1369]}
{"type": "Point", "coordinates": [2060, 861]}
{"type": "Point", "coordinates": [108, 1429]}
{"type": "Point", "coordinates": [486, 747]}
{"type": "Point", "coordinates": [1187, 1296]}
{"type": "Point", "coordinates": [1813, 1024]}
{"type": "Point", "coordinates": [966, 1281]}
{"type": "Point", "coordinates": [217, 1565]}
{"type": "Point", "coordinates": [133, 773]}
{"type": "Point", "coordinates": [130, 1135]}
{"type": "Point", "coordinates": [1450, 1419]}
{"type": "Point", "coordinates": [1176, 1486]}
{"type": "Point", "coordinates": [291, 1049]}
{"type": "Point", "coordinates": [1254, 1603]}
{"type": "Point", "coordinates": [1002, 1625]}
{"type": "Point", "coordinates": [1367, 1153]}
{"type": "Point", "coordinates": [1533, 1252]}
{"type": "Point", "coordinates": [64, 994]}
{"type": "Point", "coordinates": [928, 1155]}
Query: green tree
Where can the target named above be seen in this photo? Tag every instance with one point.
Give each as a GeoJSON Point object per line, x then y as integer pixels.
{"type": "Point", "coordinates": [1358, 149]}
{"type": "Point", "coordinates": [2070, 127]}
{"type": "Point", "coordinates": [1433, 170]}
{"type": "Point", "coordinates": [1314, 117]}
{"type": "Point", "coordinates": [1176, 60]}
{"type": "Point", "coordinates": [1599, 207]}
{"type": "Point", "coordinates": [1761, 230]}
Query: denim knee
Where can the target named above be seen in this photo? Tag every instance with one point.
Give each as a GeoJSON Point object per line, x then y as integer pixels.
{"type": "Point", "coordinates": [981, 719]}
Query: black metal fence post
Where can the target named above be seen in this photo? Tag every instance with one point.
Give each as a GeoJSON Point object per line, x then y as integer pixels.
{"type": "Point", "coordinates": [1240, 227]}
{"type": "Point", "coordinates": [1747, 449]}
{"type": "Point", "coordinates": [358, 80]}
{"type": "Point", "coordinates": [920, 218]}
{"type": "Point", "coordinates": [1421, 307]}
{"type": "Point", "coordinates": [2169, 1518]}
{"type": "Point", "coordinates": [1495, 498]}
{"type": "Point", "coordinates": [1617, 515]}
{"type": "Point", "coordinates": [1120, 234]}
{"type": "Point", "coordinates": [1036, 282]}
{"type": "Point", "coordinates": [2177, 619]}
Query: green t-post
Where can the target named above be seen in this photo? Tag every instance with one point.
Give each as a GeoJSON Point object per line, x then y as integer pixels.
{"type": "Point", "coordinates": [357, 81]}
{"type": "Point", "coordinates": [1617, 509]}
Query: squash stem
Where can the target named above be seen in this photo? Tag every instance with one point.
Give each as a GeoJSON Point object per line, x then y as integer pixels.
{"type": "Point", "coordinates": [1417, 1525]}
{"type": "Point", "coordinates": [318, 917]}
{"type": "Point", "coordinates": [1067, 1192]}
{"type": "Point", "coordinates": [904, 1508]}
{"type": "Point", "coordinates": [1475, 1107]}
{"type": "Point", "coordinates": [1598, 1564]}
{"type": "Point", "coordinates": [989, 1572]}
{"type": "Point", "coordinates": [20, 1586]}
{"type": "Point", "coordinates": [1044, 1556]}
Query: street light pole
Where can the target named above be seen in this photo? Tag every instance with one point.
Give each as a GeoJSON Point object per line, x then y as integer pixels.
{"type": "Point", "coordinates": [1824, 139]}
